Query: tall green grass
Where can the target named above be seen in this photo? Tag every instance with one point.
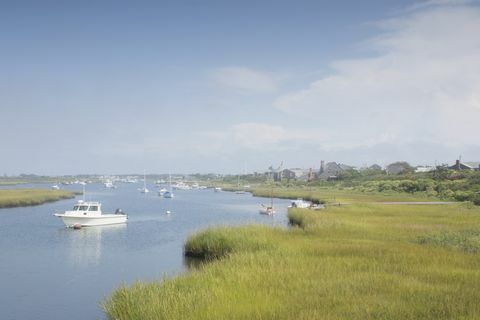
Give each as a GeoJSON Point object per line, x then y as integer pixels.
{"type": "Point", "coordinates": [29, 197]}
{"type": "Point", "coordinates": [361, 261]}
{"type": "Point", "coordinates": [333, 195]}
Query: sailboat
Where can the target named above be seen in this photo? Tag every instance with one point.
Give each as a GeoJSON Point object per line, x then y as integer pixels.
{"type": "Point", "coordinates": [268, 210]}
{"type": "Point", "coordinates": [144, 189]}
{"type": "Point", "coordinates": [169, 194]}
{"type": "Point", "coordinates": [239, 191]}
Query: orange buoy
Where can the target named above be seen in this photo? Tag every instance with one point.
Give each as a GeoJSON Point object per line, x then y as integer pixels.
{"type": "Point", "coordinates": [77, 226]}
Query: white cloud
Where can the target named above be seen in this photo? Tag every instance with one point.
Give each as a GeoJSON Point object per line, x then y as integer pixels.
{"type": "Point", "coordinates": [244, 80]}
{"type": "Point", "coordinates": [423, 84]}
{"type": "Point", "coordinates": [430, 3]}
{"type": "Point", "coordinates": [261, 136]}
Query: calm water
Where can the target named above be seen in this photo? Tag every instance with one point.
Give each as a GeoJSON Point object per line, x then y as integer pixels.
{"type": "Point", "coordinates": [50, 272]}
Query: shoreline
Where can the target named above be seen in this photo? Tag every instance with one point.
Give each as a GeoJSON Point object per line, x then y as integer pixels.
{"type": "Point", "coordinates": [341, 253]}
{"type": "Point", "coordinates": [14, 198]}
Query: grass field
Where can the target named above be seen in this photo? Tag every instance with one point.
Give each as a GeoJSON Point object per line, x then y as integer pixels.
{"type": "Point", "coordinates": [30, 197]}
{"type": "Point", "coordinates": [365, 260]}
{"type": "Point", "coordinates": [332, 195]}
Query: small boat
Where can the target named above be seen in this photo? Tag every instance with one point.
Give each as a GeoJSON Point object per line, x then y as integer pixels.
{"type": "Point", "coordinates": [162, 191]}
{"type": "Point", "coordinates": [144, 189]}
{"type": "Point", "coordinates": [239, 191]}
{"type": "Point", "coordinates": [300, 203]}
{"type": "Point", "coordinates": [267, 210]}
{"type": "Point", "coordinates": [89, 213]}
{"type": "Point", "coordinates": [55, 187]}
{"type": "Point", "coordinates": [169, 194]}
{"type": "Point", "coordinates": [217, 189]}
{"type": "Point", "coordinates": [109, 185]}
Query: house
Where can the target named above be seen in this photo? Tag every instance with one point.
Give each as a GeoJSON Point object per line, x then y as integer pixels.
{"type": "Point", "coordinates": [398, 167]}
{"type": "Point", "coordinates": [465, 165]}
{"type": "Point", "coordinates": [332, 170]}
{"type": "Point", "coordinates": [288, 174]}
{"type": "Point", "coordinates": [375, 167]}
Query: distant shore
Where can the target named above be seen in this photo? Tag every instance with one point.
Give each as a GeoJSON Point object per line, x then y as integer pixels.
{"type": "Point", "coordinates": [10, 198]}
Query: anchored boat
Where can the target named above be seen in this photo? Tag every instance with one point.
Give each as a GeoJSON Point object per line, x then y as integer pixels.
{"type": "Point", "coordinates": [87, 214]}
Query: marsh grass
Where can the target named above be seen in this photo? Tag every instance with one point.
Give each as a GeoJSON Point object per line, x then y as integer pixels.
{"type": "Point", "coordinates": [361, 261]}
{"type": "Point", "coordinates": [332, 195]}
{"type": "Point", "coordinates": [219, 242]}
{"type": "Point", "coordinates": [30, 197]}
{"type": "Point", "coordinates": [464, 240]}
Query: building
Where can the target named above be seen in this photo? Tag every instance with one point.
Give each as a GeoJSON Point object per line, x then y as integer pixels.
{"type": "Point", "coordinates": [465, 165]}
{"type": "Point", "coordinates": [398, 167]}
{"type": "Point", "coordinates": [420, 169]}
{"type": "Point", "coordinates": [332, 170]}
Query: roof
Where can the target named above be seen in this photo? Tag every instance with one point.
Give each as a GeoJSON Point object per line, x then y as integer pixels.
{"type": "Point", "coordinates": [472, 164]}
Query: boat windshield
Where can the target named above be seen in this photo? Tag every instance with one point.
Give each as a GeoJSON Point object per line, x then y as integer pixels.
{"type": "Point", "coordinates": [83, 208]}
{"type": "Point", "coordinates": [75, 208]}
{"type": "Point", "coordinates": [93, 208]}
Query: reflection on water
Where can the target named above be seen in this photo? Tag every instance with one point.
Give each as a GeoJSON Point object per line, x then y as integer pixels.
{"type": "Point", "coordinates": [193, 263]}
{"type": "Point", "coordinates": [85, 244]}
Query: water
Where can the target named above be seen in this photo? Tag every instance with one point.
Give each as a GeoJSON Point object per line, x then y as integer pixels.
{"type": "Point", "coordinates": [51, 272]}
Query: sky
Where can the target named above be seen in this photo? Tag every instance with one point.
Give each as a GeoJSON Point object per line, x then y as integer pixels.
{"type": "Point", "coordinates": [111, 87]}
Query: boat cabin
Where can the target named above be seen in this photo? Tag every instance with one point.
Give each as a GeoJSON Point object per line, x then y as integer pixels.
{"type": "Point", "coordinates": [90, 208]}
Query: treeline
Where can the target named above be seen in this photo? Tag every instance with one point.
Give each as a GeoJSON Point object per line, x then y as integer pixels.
{"type": "Point", "coordinates": [441, 183]}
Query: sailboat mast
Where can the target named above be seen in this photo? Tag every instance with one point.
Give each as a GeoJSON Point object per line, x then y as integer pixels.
{"type": "Point", "coordinates": [271, 197]}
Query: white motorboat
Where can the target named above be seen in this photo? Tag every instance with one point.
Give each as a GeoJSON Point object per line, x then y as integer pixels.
{"type": "Point", "coordinates": [109, 185]}
{"type": "Point", "coordinates": [89, 213]}
{"type": "Point", "coordinates": [55, 187]}
{"type": "Point", "coordinates": [217, 189]}
{"type": "Point", "coordinates": [300, 203]}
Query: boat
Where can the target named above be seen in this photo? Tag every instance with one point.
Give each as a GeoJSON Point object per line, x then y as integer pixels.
{"type": "Point", "coordinates": [88, 214]}
{"type": "Point", "coordinates": [162, 191]}
{"type": "Point", "coordinates": [268, 210]}
{"type": "Point", "coordinates": [300, 203]}
{"type": "Point", "coordinates": [144, 189]}
{"type": "Point", "coordinates": [239, 191]}
{"type": "Point", "coordinates": [169, 193]}
{"type": "Point", "coordinates": [109, 185]}
{"type": "Point", "coordinates": [181, 186]}
{"type": "Point", "coordinates": [217, 189]}
{"type": "Point", "coordinates": [55, 187]}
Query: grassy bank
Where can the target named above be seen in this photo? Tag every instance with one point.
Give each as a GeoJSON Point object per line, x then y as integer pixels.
{"type": "Point", "coordinates": [333, 195]}
{"type": "Point", "coordinates": [29, 197]}
{"type": "Point", "coordinates": [361, 261]}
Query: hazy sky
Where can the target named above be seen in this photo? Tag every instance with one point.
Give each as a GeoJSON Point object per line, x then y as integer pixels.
{"type": "Point", "coordinates": [228, 86]}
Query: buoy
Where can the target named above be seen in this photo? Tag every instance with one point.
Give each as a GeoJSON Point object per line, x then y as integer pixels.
{"type": "Point", "coordinates": [77, 226]}
{"type": "Point", "coordinates": [167, 212]}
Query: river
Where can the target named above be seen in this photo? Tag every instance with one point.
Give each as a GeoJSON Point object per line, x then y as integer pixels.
{"type": "Point", "coordinates": [50, 272]}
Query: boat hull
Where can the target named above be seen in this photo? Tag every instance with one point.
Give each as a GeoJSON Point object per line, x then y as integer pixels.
{"type": "Point", "coordinates": [267, 211]}
{"type": "Point", "coordinates": [105, 219]}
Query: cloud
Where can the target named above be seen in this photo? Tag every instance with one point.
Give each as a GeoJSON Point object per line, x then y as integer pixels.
{"type": "Point", "coordinates": [263, 137]}
{"type": "Point", "coordinates": [423, 84]}
{"type": "Point", "coordinates": [432, 3]}
{"type": "Point", "coordinates": [244, 80]}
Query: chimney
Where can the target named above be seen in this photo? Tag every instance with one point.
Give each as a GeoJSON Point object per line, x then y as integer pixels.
{"type": "Point", "coordinates": [457, 164]}
{"type": "Point", "coordinates": [322, 166]}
